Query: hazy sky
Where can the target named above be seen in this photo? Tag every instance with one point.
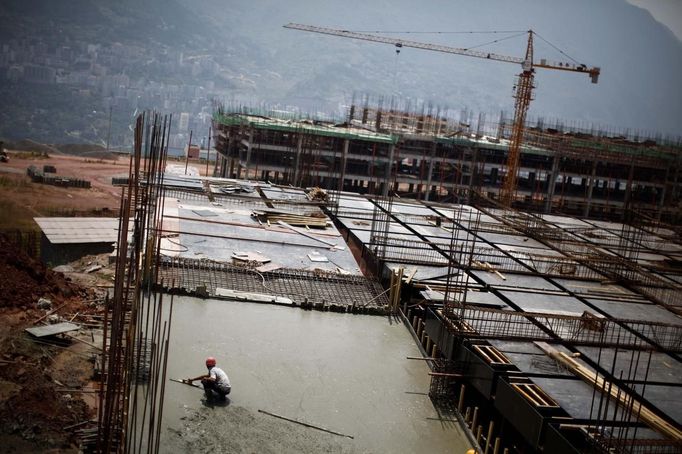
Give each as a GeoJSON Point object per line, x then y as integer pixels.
{"type": "Point", "coordinates": [667, 12]}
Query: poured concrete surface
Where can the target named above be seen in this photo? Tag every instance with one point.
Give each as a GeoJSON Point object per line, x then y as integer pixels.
{"type": "Point", "coordinates": [347, 373]}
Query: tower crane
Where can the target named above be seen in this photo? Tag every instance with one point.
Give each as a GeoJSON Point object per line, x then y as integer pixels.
{"type": "Point", "coordinates": [523, 92]}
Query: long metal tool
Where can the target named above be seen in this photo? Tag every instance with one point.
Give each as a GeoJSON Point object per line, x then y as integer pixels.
{"type": "Point", "coordinates": [184, 381]}
{"type": "Point", "coordinates": [305, 424]}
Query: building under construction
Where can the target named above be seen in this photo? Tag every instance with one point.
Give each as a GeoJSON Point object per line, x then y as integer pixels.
{"type": "Point", "coordinates": [543, 332]}
{"type": "Point", "coordinates": [558, 331]}
{"type": "Point", "coordinates": [429, 156]}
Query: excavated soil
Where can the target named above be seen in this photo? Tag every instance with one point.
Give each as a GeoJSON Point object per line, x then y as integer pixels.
{"type": "Point", "coordinates": [24, 280]}
{"type": "Point", "coordinates": [39, 382]}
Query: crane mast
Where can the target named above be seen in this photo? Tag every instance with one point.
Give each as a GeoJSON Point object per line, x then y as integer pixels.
{"type": "Point", "coordinates": [523, 92]}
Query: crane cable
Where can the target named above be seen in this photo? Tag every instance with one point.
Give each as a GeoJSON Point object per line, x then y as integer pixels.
{"type": "Point", "coordinates": [518, 33]}
{"type": "Point", "coordinates": [439, 32]}
{"type": "Point", "coordinates": [395, 69]}
{"type": "Point", "coordinates": [557, 49]}
{"type": "Point", "coordinates": [496, 41]}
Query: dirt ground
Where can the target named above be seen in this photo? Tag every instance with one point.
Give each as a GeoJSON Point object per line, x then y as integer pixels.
{"type": "Point", "coordinates": [21, 200]}
{"type": "Point", "coordinates": [45, 388]}
{"type": "Point", "coordinates": [42, 382]}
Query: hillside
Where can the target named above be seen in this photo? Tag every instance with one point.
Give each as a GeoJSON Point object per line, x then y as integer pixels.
{"type": "Point", "coordinates": [239, 51]}
{"type": "Point", "coordinates": [641, 60]}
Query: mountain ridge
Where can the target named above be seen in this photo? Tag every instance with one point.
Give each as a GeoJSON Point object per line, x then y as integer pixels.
{"type": "Point", "coordinates": [261, 62]}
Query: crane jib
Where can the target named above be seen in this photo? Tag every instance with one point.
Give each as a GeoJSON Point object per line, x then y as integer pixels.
{"type": "Point", "coordinates": [405, 43]}
{"type": "Point", "coordinates": [397, 42]}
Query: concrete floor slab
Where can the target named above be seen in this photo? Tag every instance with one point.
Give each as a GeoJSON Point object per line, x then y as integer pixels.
{"type": "Point", "coordinates": [602, 288]}
{"type": "Point", "coordinates": [344, 372]}
{"type": "Point", "coordinates": [662, 368]}
{"type": "Point", "coordinates": [634, 311]}
{"type": "Point", "coordinates": [514, 240]}
{"type": "Point", "coordinates": [549, 304]}
{"type": "Point", "coordinates": [412, 209]}
{"type": "Point", "coordinates": [521, 281]}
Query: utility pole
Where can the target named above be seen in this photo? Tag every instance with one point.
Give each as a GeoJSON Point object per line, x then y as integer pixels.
{"type": "Point", "coordinates": [109, 130]}
{"type": "Point", "coordinates": [189, 145]}
{"type": "Point", "coordinates": [208, 149]}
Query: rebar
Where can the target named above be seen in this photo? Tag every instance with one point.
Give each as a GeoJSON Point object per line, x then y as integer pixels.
{"type": "Point", "coordinates": [135, 347]}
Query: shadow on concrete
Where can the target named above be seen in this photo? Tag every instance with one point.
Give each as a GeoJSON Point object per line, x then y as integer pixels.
{"type": "Point", "coordinates": [212, 401]}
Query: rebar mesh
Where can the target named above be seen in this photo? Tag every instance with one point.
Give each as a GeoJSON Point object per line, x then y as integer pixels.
{"type": "Point", "coordinates": [298, 285]}
{"type": "Point", "coordinates": [475, 322]}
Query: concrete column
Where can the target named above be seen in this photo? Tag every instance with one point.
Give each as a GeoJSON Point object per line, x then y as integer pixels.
{"type": "Point", "coordinates": [551, 183]}
{"type": "Point", "coordinates": [231, 171]}
{"type": "Point", "coordinates": [473, 174]}
{"type": "Point", "coordinates": [344, 158]}
{"type": "Point", "coordinates": [249, 145]}
{"type": "Point", "coordinates": [661, 202]}
{"type": "Point", "coordinates": [391, 151]}
{"type": "Point", "coordinates": [675, 191]}
{"type": "Point", "coordinates": [221, 158]}
{"type": "Point", "coordinates": [429, 177]}
{"type": "Point", "coordinates": [221, 170]}
{"type": "Point", "coordinates": [299, 149]}
{"type": "Point", "coordinates": [590, 186]}
{"type": "Point", "coordinates": [628, 188]}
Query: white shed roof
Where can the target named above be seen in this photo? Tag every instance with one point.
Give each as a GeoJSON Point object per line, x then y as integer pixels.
{"type": "Point", "coordinates": [79, 230]}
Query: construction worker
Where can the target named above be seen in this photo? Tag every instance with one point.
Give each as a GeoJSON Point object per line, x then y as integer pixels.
{"type": "Point", "coordinates": [215, 382]}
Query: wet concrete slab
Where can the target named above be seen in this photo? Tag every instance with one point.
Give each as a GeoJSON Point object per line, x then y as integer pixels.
{"type": "Point", "coordinates": [347, 373]}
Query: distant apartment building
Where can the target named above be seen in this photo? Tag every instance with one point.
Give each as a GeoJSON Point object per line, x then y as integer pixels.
{"type": "Point", "coordinates": [39, 74]}
{"type": "Point", "coordinates": [183, 123]}
{"type": "Point", "coordinates": [431, 158]}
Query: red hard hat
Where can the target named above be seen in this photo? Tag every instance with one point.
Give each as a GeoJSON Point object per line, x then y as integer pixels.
{"type": "Point", "coordinates": [210, 361]}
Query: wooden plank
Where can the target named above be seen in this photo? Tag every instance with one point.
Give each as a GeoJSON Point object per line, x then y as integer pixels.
{"type": "Point", "coordinates": [491, 354]}
{"type": "Point", "coordinates": [536, 395]}
{"type": "Point", "coordinates": [623, 397]}
{"type": "Point", "coordinates": [411, 275]}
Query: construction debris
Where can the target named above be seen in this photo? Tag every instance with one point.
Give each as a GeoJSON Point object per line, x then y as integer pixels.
{"type": "Point", "coordinates": [316, 220]}
{"type": "Point", "coordinates": [317, 195]}
{"type": "Point", "coordinates": [312, 237]}
{"type": "Point", "coordinates": [233, 188]}
{"type": "Point", "coordinates": [317, 257]}
{"type": "Point", "coordinates": [252, 297]}
{"type": "Point", "coordinates": [44, 303]}
{"type": "Point", "coordinates": [52, 330]}
{"type": "Point", "coordinates": [250, 256]}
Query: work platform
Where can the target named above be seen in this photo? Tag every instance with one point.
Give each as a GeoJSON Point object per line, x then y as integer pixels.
{"type": "Point", "coordinates": [546, 332]}
{"type": "Point", "coordinates": [489, 286]}
{"type": "Point", "coordinates": [261, 240]}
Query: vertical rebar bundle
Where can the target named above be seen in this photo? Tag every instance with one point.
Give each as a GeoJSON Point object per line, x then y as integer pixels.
{"type": "Point", "coordinates": [137, 323]}
{"type": "Point", "coordinates": [465, 222]}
